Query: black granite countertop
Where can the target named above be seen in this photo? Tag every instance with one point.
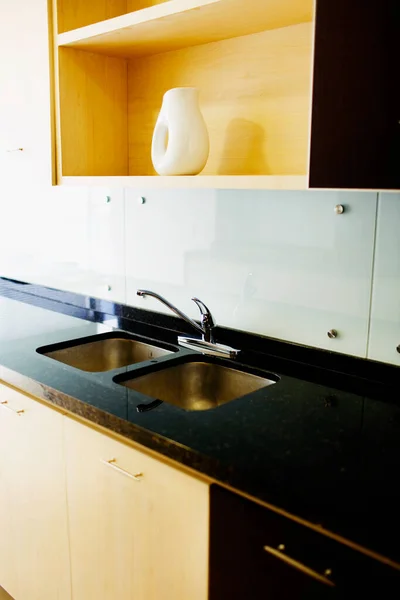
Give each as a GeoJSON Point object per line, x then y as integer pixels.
{"type": "Point", "coordinates": [328, 453]}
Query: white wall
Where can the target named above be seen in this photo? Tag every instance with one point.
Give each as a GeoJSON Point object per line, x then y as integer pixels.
{"type": "Point", "coordinates": [281, 264]}
{"type": "Point", "coordinates": [71, 239]}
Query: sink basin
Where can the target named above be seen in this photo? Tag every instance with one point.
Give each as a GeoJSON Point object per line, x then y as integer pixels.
{"type": "Point", "coordinates": [197, 385]}
{"type": "Point", "coordinates": [104, 353]}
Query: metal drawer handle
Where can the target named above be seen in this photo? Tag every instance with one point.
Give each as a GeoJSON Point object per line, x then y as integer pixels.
{"type": "Point", "coordinates": [112, 463]}
{"type": "Point", "coordinates": [14, 410]}
{"type": "Point", "coordinates": [298, 565]}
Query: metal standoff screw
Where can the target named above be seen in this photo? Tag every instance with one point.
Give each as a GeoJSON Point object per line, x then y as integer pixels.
{"type": "Point", "coordinates": [141, 200]}
{"type": "Point", "coordinates": [328, 572]}
{"type": "Point", "coordinates": [332, 334]}
{"type": "Point", "coordinates": [339, 209]}
{"type": "Point", "coordinates": [108, 199]}
{"type": "Point", "coordinates": [109, 288]}
{"type": "Point", "coordinates": [398, 348]}
{"type": "Point", "coordinates": [281, 547]}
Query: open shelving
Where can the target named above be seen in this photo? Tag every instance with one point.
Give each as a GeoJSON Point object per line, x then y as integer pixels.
{"type": "Point", "coordinates": [175, 24]}
{"type": "Point", "coordinates": [226, 182]}
{"type": "Point", "coordinates": [295, 93]}
{"type": "Point", "coordinates": [251, 61]}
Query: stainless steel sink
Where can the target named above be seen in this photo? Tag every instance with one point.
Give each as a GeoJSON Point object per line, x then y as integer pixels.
{"type": "Point", "coordinates": [197, 385]}
{"type": "Point", "coordinates": [104, 354]}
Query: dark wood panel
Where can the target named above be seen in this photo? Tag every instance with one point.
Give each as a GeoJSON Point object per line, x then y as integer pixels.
{"type": "Point", "coordinates": [240, 568]}
{"type": "Point", "coordinates": [355, 137]}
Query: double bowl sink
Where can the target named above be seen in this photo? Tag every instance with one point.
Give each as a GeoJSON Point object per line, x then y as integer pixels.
{"type": "Point", "coordinates": [190, 381]}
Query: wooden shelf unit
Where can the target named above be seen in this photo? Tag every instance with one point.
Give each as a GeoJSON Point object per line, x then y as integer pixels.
{"type": "Point", "coordinates": [175, 24]}
{"type": "Point", "coordinates": [293, 95]}
{"type": "Point", "coordinates": [252, 67]}
{"type": "Point", "coordinates": [226, 182]}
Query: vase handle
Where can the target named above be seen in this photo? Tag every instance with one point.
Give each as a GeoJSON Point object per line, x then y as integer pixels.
{"type": "Point", "coordinates": [159, 144]}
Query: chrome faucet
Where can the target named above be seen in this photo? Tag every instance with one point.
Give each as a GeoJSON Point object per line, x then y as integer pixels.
{"type": "Point", "coordinates": [207, 344]}
{"type": "Point", "coordinates": [207, 322]}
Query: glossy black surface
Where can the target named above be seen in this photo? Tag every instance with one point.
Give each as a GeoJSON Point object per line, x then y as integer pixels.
{"type": "Point", "coordinates": [322, 443]}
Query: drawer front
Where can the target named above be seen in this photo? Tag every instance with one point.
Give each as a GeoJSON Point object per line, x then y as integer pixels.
{"type": "Point", "coordinates": [257, 553]}
{"type": "Point", "coordinates": [18, 403]}
{"type": "Point", "coordinates": [121, 460]}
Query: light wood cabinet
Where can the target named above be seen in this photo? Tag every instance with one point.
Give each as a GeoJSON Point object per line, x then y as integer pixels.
{"type": "Point", "coordinates": [34, 555]}
{"type": "Point", "coordinates": [7, 566]}
{"type": "Point", "coordinates": [135, 528]}
{"type": "Point", "coordinates": [25, 93]}
{"type": "Point", "coordinates": [138, 527]}
{"type": "Point", "coordinates": [295, 93]}
{"type": "Point", "coordinates": [252, 67]}
{"type": "Point", "coordinates": [4, 595]}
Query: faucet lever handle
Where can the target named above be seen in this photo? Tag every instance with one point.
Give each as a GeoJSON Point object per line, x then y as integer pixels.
{"type": "Point", "coordinates": [206, 316]}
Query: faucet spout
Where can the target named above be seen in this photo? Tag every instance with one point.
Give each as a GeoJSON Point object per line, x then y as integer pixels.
{"type": "Point", "coordinates": [174, 309]}
{"type": "Point", "coordinates": [207, 344]}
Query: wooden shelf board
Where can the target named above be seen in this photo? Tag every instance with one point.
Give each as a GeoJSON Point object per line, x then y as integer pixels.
{"type": "Point", "coordinates": [244, 182]}
{"type": "Point", "coordinates": [182, 23]}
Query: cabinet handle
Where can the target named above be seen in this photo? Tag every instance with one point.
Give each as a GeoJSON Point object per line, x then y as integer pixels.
{"type": "Point", "coordinates": [299, 566]}
{"type": "Point", "coordinates": [14, 410]}
{"type": "Point", "coordinates": [15, 150]}
{"type": "Point", "coordinates": [112, 463]}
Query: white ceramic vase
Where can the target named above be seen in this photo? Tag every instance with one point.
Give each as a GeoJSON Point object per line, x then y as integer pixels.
{"type": "Point", "coordinates": [180, 140]}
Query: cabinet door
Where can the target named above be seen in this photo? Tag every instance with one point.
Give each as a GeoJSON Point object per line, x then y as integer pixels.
{"type": "Point", "coordinates": [34, 532]}
{"type": "Point", "coordinates": [245, 556]}
{"type": "Point", "coordinates": [138, 527]}
{"type": "Point", "coordinates": [355, 133]}
{"type": "Point", "coordinates": [256, 553]}
{"type": "Point", "coordinates": [7, 568]}
{"type": "Point", "coordinates": [25, 98]}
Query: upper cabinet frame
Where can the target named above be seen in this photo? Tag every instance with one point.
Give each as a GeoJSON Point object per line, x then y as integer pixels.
{"type": "Point", "coordinates": [295, 94]}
